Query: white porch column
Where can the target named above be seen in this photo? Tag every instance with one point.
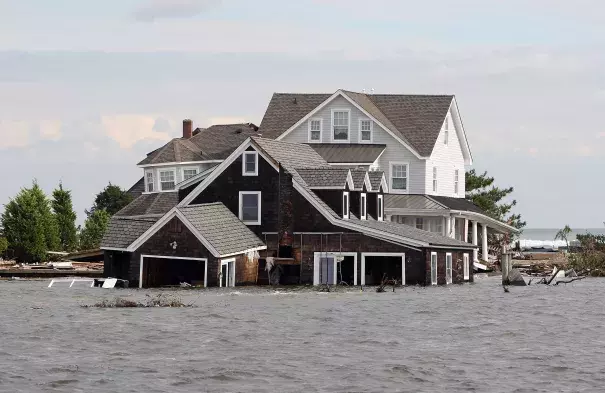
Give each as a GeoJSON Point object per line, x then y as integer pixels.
{"type": "Point", "coordinates": [453, 234]}
{"type": "Point", "coordinates": [448, 226]}
{"type": "Point", "coordinates": [484, 242]}
{"type": "Point", "coordinates": [475, 242]}
{"type": "Point", "coordinates": [465, 234]}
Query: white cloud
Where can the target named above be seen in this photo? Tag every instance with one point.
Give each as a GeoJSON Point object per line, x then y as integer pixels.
{"type": "Point", "coordinates": [14, 134]}
{"type": "Point", "coordinates": [151, 10]}
{"type": "Point", "coordinates": [129, 129]}
{"type": "Point", "coordinates": [50, 129]}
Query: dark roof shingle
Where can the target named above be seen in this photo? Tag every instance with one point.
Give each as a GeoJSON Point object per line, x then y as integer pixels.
{"type": "Point", "coordinates": [158, 203]}
{"type": "Point", "coordinates": [122, 231]}
{"type": "Point", "coordinates": [457, 204]}
{"type": "Point", "coordinates": [218, 141]}
{"type": "Point", "coordinates": [375, 179]}
{"type": "Point", "coordinates": [223, 230]}
{"type": "Point", "coordinates": [348, 153]}
{"type": "Point", "coordinates": [324, 177]}
{"type": "Point", "coordinates": [291, 155]}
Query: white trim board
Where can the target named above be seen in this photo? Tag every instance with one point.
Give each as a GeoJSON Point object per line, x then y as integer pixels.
{"type": "Point", "coordinates": [382, 254]}
{"type": "Point", "coordinates": [352, 102]}
{"type": "Point", "coordinates": [178, 163]}
{"type": "Point", "coordinates": [231, 272]}
{"type": "Point", "coordinates": [143, 256]}
{"type": "Point", "coordinates": [318, 254]}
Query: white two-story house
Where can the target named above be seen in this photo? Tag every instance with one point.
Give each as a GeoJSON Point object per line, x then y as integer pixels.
{"type": "Point", "coordinates": [418, 141]}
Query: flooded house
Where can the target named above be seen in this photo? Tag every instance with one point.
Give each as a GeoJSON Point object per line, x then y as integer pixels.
{"type": "Point", "coordinates": [338, 188]}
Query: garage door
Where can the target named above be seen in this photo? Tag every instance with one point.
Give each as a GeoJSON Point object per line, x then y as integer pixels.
{"type": "Point", "coordinates": [159, 271]}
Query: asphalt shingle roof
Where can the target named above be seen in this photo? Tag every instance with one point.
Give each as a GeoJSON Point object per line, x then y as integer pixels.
{"type": "Point", "coordinates": [291, 155]}
{"type": "Point", "coordinates": [177, 150]}
{"type": "Point", "coordinates": [375, 179]}
{"type": "Point", "coordinates": [222, 229]}
{"type": "Point", "coordinates": [358, 176]}
{"type": "Point", "coordinates": [416, 119]}
{"type": "Point", "coordinates": [411, 201]}
{"type": "Point", "coordinates": [122, 231]}
{"type": "Point", "coordinates": [219, 141]}
{"type": "Point", "coordinates": [325, 177]}
{"type": "Point", "coordinates": [348, 153]}
{"type": "Point", "coordinates": [457, 204]}
{"type": "Point", "coordinates": [158, 203]}
{"type": "Point", "coordinates": [137, 188]}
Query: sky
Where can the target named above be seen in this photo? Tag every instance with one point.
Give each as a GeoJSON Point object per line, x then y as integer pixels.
{"type": "Point", "coordinates": [87, 88]}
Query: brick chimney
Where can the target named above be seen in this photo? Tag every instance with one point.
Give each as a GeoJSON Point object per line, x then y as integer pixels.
{"type": "Point", "coordinates": [187, 128]}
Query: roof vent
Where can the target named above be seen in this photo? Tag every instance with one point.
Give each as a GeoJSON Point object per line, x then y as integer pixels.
{"type": "Point", "coordinates": [295, 100]}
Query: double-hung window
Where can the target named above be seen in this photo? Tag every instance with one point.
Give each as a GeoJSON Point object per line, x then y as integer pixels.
{"type": "Point", "coordinates": [250, 163]}
{"type": "Point", "coordinates": [363, 206]}
{"type": "Point", "coordinates": [399, 176]}
{"type": "Point", "coordinates": [250, 207]}
{"type": "Point", "coordinates": [456, 181]}
{"type": "Point", "coordinates": [315, 130]}
{"type": "Point", "coordinates": [340, 125]}
{"type": "Point", "coordinates": [434, 179]}
{"type": "Point", "coordinates": [345, 205]}
{"type": "Point", "coordinates": [149, 181]}
{"type": "Point", "coordinates": [188, 173]}
{"type": "Point", "coordinates": [419, 223]}
{"type": "Point", "coordinates": [365, 130]}
{"type": "Point", "coordinates": [167, 180]}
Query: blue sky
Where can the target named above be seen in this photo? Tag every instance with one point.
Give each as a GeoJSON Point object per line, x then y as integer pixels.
{"type": "Point", "coordinates": [87, 88]}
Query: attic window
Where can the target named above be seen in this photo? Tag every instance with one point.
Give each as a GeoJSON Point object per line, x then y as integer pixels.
{"type": "Point", "coordinates": [365, 130]}
{"type": "Point", "coordinates": [363, 206]}
{"type": "Point", "coordinates": [446, 128]}
{"type": "Point", "coordinates": [250, 163]}
{"type": "Point", "coordinates": [167, 180]}
{"type": "Point", "coordinates": [380, 208]}
{"type": "Point", "coordinates": [149, 181]}
{"type": "Point", "coordinates": [315, 130]}
{"type": "Point", "coordinates": [340, 125]}
{"type": "Point", "coordinates": [188, 173]}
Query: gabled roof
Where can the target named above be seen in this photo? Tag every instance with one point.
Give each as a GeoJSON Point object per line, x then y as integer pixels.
{"type": "Point", "coordinates": [145, 204]}
{"type": "Point", "coordinates": [322, 178]}
{"type": "Point", "coordinates": [222, 233]}
{"type": "Point", "coordinates": [358, 176]}
{"type": "Point", "coordinates": [456, 203]}
{"type": "Point", "coordinates": [137, 188]}
{"type": "Point", "coordinates": [376, 178]}
{"type": "Point", "coordinates": [411, 202]}
{"type": "Point", "coordinates": [348, 153]}
{"type": "Point", "coordinates": [415, 120]}
{"type": "Point", "coordinates": [122, 231]}
{"type": "Point", "coordinates": [291, 155]}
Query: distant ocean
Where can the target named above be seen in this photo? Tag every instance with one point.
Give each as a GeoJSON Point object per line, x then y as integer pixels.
{"type": "Point", "coordinates": [549, 233]}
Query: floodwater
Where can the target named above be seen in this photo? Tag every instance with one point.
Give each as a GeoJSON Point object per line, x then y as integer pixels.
{"type": "Point", "coordinates": [455, 339]}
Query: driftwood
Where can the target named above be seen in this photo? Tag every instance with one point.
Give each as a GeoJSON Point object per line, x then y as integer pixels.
{"type": "Point", "coordinates": [384, 282]}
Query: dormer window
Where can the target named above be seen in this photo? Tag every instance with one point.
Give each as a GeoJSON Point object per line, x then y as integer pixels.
{"type": "Point", "coordinates": [188, 173]}
{"type": "Point", "coordinates": [340, 125]}
{"type": "Point", "coordinates": [446, 130]}
{"type": "Point", "coordinates": [315, 130]}
{"type": "Point", "coordinates": [345, 205]}
{"type": "Point", "coordinates": [365, 130]}
{"type": "Point", "coordinates": [380, 207]}
{"type": "Point", "coordinates": [250, 163]}
{"type": "Point", "coordinates": [167, 178]}
{"type": "Point", "coordinates": [149, 181]}
{"type": "Point", "coordinates": [363, 206]}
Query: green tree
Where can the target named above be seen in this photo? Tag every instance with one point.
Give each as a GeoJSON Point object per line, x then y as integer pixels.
{"type": "Point", "coordinates": [29, 225]}
{"type": "Point", "coordinates": [94, 229]}
{"type": "Point", "coordinates": [481, 190]}
{"type": "Point", "coordinates": [66, 218]}
{"type": "Point", "coordinates": [112, 199]}
{"type": "Point", "coordinates": [563, 234]}
{"type": "Point", "coordinates": [3, 245]}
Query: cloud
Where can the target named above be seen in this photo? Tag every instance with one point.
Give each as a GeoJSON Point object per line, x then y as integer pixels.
{"type": "Point", "coordinates": [14, 134]}
{"type": "Point", "coordinates": [127, 130]}
{"type": "Point", "coordinates": [151, 10]}
{"type": "Point", "coordinates": [50, 129]}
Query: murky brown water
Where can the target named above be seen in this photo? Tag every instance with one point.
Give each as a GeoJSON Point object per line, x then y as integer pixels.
{"type": "Point", "coordinates": [455, 339]}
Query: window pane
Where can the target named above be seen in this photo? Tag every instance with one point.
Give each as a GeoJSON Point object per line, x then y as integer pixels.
{"type": "Point", "coordinates": [250, 162]}
{"type": "Point", "coordinates": [399, 184]}
{"type": "Point", "coordinates": [167, 180]}
{"type": "Point", "coordinates": [189, 173]}
{"type": "Point", "coordinates": [341, 133]}
{"type": "Point", "coordinates": [249, 207]}
{"type": "Point", "coordinates": [366, 135]}
{"type": "Point", "coordinates": [315, 135]}
{"type": "Point", "coordinates": [315, 125]}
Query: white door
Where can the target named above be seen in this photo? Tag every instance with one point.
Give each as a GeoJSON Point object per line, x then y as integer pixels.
{"type": "Point", "coordinates": [326, 270]}
{"type": "Point", "coordinates": [434, 268]}
{"type": "Point", "coordinates": [467, 269]}
{"type": "Point", "coordinates": [448, 268]}
{"type": "Point", "coordinates": [227, 274]}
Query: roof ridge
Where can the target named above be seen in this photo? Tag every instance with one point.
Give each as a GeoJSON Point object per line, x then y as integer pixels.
{"type": "Point", "coordinates": [200, 204]}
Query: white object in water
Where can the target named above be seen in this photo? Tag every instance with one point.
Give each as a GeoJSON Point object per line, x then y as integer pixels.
{"type": "Point", "coordinates": [479, 266]}
{"type": "Point", "coordinates": [71, 281]}
{"type": "Point", "coordinates": [62, 265]}
{"type": "Point", "coordinates": [110, 282]}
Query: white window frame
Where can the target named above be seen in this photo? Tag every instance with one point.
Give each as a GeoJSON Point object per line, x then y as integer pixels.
{"type": "Point", "coordinates": [449, 269]}
{"type": "Point", "coordinates": [173, 170]}
{"type": "Point", "coordinates": [456, 181]}
{"type": "Point", "coordinates": [189, 168]}
{"type": "Point", "coordinates": [380, 207]}
{"type": "Point", "coordinates": [467, 267]}
{"type": "Point", "coordinates": [321, 127]}
{"type": "Point", "coordinates": [147, 173]}
{"type": "Point", "coordinates": [346, 206]}
{"type": "Point", "coordinates": [371, 131]}
{"type": "Point", "coordinates": [247, 153]}
{"type": "Point", "coordinates": [241, 215]}
{"type": "Point", "coordinates": [434, 282]}
{"type": "Point", "coordinates": [332, 128]}
{"type": "Point", "coordinates": [230, 262]}
{"type": "Point", "coordinates": [363, 206]}
{"type": "Point", "coordinates": [407, 178]}
{"type": "Point", "coordinates": [435, 185]}
{"type": "Point", "coordinates": [419, 220]}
